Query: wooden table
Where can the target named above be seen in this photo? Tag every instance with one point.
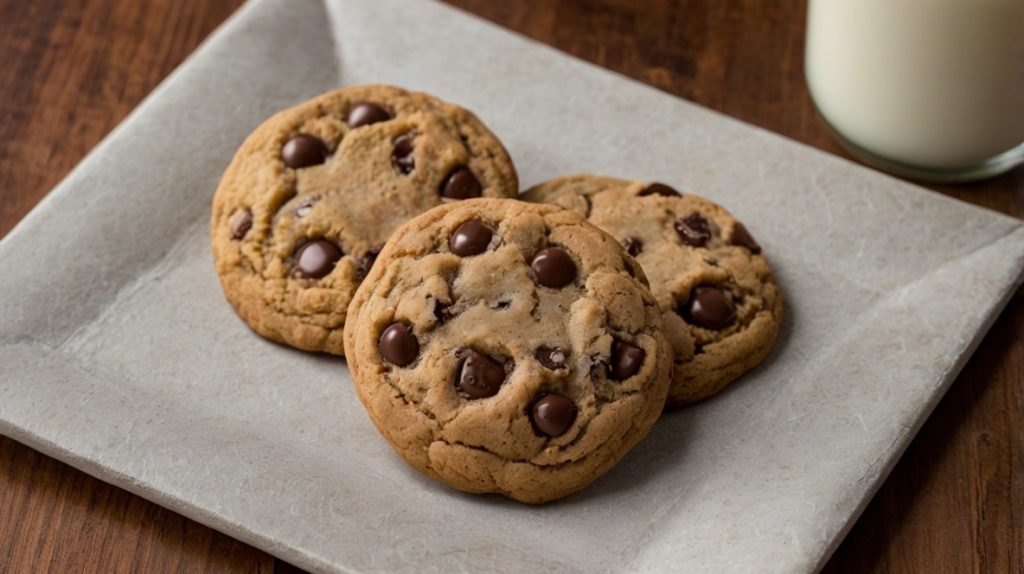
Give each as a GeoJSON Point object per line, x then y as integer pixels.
{"type": "Point", "coordinates": [72, 70]}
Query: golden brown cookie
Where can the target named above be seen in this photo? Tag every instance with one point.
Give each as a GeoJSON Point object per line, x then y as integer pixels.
{"type": "Point", "coordinates": [722, 308]}
{"type": "Point", "coordinates": [314, 192]}
{"type": "Point", "coordinates": [507, 347]}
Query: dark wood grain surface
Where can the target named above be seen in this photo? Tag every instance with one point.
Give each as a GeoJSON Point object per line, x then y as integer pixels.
{"type": "Point", "coordinates": [71, 70]}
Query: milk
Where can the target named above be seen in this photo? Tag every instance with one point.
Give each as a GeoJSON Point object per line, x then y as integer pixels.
{"type": "Point", "coordinates": [936, 84]}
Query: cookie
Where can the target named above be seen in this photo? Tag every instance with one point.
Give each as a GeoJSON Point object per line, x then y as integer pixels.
{"type": "Point", "coordinates": [507, 347]}
{"type": "Point", "coordinates": [722, 307]}
{"type": "Point", "coordinates": [314, 192]}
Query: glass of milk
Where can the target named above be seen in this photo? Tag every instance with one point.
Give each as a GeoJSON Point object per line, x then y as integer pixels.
{"type": "Point", "coordinates": [929, 89]}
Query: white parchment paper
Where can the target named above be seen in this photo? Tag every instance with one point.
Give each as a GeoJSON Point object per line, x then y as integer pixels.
{"type": "Point", "coordinates": [119, 355]}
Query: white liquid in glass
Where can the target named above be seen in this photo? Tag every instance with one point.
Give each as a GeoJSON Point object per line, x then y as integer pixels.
{"type": "Point", "coordinates": [930, 83]}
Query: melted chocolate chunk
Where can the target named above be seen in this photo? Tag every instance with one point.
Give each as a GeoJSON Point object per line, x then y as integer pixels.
{"type": "Point", "coordinates": [480, 376]}
{"type": "Point", "coordinates": [317, 258]}
{"type": "Point", "coordinates": [240, 223]}
{"type": "Point", "coordinates": [553, 414]}
{"type": "Point", "coordinates": [365, 262]}
{"type": "Point", "coordinates": [709, 307]}
{"type": "Point", "coordinates": [741, 237]}
{"type": "Point", "coordinates": [470, 238]}
{"type": "Point", "coordinates": [693, 230]}
{"type": "Point", "coordinates": [441, 312]}
{"type": "Point", "coordinates": [366, 113]}
{"type": "Point", "coordinates": [303, 150]}
{"type": "Point", "coordinates": [460, 184]}
{"type": "Point", "coordinates": [659, 189]}
{"type": "Point", "coordinates": [553, 267]}
{"type": "Point", "coordinates": [402, 154]}
{"type": "Point", "coordinates": [398, 344]}
{"type": "Point", "coordinates": [626, 360]}
{"type": "Point", "coordinates": [633, 245]}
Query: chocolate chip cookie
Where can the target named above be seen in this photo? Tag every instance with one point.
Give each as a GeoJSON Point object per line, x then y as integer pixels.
{"type": "Point", "coordinates": [722, 308]}
{"type": "Point", "coordinates": [314, 192]}
{"type": "Point", "coordinates": [507, 347]}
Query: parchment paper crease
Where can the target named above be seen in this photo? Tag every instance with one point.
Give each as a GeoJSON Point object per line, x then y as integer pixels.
{"type": "Point", "coordinates": [119, 355]}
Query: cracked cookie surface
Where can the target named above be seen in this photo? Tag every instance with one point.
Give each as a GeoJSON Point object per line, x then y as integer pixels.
{"type": "Point", "coordinates": [722, 307]}
{"type": "Point", "coordinates": [507, 347]}
{"type": "Point", "coordinates": [315, 191]}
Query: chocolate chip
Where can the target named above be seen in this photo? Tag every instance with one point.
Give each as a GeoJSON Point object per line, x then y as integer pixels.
{"type": "Point", "coordinates": [317, 258]}
{"type": "Point", "coordinates": [626, 360]}
{"type": "Point", "coordinates": [743, 238]}
{"type": "Point", "coordinates": [398, 344]}
{"type": "Point", "coordinates": [553, 414]}
{"type": "Point", "coordinates": [658, 189]}
{"type": "Point", "coordinates": [240, 223]}
{"type": "Point", "coordinates": [460, 184]}
{"type": "Point", "coordinates": [709, 307]}
{"type": "Point", "coordinates": [470, 238]}
{"type": "Point", "coordinates": [401, 155]}
{"type": "Point", "coordinates": [693, 230]}
{"type": "Point", "coordinates": [633, 245]}
{"type": "Point", "coordinates": [366, 113]}
{"type": "Point", "coordinates": [441, 312]}
{"type": "Point", "coordinates": [551, 357]}
{"type": "Point", "coordinates": [553, 267]}
{"type": "Point", "coordinates": [480, 376]}
{"type": "Point", "coordinates": [365, 263]}
{"type": "Point", "coordinates": [303, 150]}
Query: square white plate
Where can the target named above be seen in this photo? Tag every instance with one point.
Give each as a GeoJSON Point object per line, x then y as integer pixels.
{"type": "Point", "coordinates": [119, 355]}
